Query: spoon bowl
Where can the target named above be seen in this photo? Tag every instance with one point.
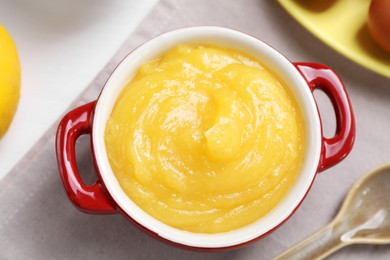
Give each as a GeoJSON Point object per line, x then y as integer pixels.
{"type": "Point", "coordinates": [364, 218]}
{"type": "Point", "coordinates": [366, 210]}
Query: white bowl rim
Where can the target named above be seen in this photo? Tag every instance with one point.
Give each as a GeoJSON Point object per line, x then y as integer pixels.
{"type": "Point", "coordinates": [269, 57]}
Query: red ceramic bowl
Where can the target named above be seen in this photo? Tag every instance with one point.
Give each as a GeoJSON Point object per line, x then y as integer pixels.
{"type": "Point", "coordinates": [106, 195]}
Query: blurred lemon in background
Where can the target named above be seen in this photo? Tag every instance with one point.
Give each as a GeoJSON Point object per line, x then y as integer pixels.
{"type": "Point", "coordinates": [9, 80]}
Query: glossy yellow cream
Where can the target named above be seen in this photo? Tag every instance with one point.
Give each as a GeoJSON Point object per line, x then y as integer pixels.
{"type": "Point", "coordinates": [205, 139]}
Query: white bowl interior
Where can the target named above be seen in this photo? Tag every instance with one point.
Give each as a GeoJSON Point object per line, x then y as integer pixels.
{"type": "Point", "coordinates": [275, 62]}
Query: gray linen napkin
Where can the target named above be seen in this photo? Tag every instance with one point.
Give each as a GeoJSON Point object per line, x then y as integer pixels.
{"type": "Point", "coordinates": [38, 222]}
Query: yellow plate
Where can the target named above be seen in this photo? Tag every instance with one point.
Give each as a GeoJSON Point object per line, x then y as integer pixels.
{"type": "Point", "coordinates": [342, 24]}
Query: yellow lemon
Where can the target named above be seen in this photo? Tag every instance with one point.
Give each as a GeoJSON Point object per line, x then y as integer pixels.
{"type": "Point", "coordinates": [9, 80]}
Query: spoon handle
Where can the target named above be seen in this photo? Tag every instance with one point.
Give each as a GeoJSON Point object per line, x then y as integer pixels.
{"type": "Point", "coordinates": [317, 246]}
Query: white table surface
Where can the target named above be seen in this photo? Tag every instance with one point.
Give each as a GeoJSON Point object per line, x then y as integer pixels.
{"type": "Point", "coordinates": [62, 45]}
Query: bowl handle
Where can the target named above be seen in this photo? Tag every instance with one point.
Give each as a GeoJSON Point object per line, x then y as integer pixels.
{"type": "Point", "coordinates": [336, 148]}
{"type": "Point", "coordinates": [90, 199]}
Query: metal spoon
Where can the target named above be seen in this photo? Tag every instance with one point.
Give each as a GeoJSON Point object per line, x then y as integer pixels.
{"type": "Point", "coordinates": [364, 218]}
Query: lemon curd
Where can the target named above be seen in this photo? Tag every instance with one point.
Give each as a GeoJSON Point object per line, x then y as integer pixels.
{"type": "Point", "coordinates": [205, 139]}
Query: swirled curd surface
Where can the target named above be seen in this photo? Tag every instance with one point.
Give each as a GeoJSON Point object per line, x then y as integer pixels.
{"type": "Point", "coordinates": [205, 139]}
